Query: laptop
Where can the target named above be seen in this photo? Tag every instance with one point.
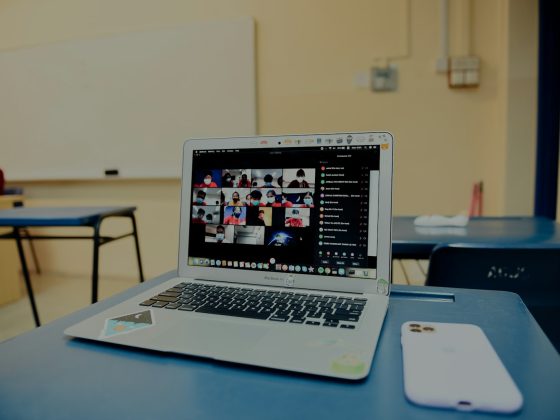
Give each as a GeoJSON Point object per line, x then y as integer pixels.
{"type": "Point", "coordinates": [284, 257]}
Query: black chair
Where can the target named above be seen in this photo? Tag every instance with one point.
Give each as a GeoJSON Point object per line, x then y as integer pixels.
{"type": "Point", "coordinates": [533, 273]}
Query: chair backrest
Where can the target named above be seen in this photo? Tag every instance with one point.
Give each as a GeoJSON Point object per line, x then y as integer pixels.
{"type": "Point", "coordinates": [533, 273]}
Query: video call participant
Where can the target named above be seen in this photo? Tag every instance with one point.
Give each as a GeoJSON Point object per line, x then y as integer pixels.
{"type": "Point", "coordinates": [220, 234]}
{"type": "Point", "coordinates": [271, 199]}
{"type": "Point", "coordinates": [260, 219]}
{"type": "Point", "coordinates": [199, 219]}
{"type": "Point", "coordinates": [235, 217]}
{"type": "Point", "coordinates": [244, 182]}
{"type": "Point", "coordinates": [227, 180]}
{"type": "Point", "coordinates": [200, 197]}
{"type": "Point", "coordinates": [307, 200]}
{"type": "Point", "coordinates": [295, 220]}
{"type": "Point", "coordinates": [300, 181]}
{"type": "Point", "coordinates": [285, 201]}
{"type": "Point", "coordinates": [268, 181]}
{"type": "Point", "coordinates": [255, 198]}
{"type": "Point", "coordinates": [235, 200]}
{"type": "Point", "coordinates": [207, 181]}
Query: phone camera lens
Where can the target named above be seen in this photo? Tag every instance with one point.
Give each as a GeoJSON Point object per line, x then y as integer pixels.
{"type": "Point", "coordinates": [430, 329]}
{"type": "Point", "coordinates": [415, 330]}
{"type": "Point", "coordinates": [414, 325]}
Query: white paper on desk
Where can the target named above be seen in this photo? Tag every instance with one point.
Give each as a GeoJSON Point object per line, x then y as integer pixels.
{"type": "Point", "coordinates": [437, 220]}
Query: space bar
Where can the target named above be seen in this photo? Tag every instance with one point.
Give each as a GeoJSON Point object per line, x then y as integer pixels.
{"type": "Point", "coordinates": [232, 312]}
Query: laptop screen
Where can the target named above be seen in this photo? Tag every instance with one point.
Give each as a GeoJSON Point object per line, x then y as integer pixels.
{"type": "Point", "coordinates": [305, 210]}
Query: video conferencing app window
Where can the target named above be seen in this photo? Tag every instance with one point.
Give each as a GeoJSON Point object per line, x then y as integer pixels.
{"type": "Point", "coordinates": [300, 210]}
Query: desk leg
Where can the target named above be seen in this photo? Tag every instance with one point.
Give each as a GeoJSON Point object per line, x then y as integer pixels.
{"type": "Point", "coordinates": [95, 270]}
{"type": "Point", "coordinates": [26, 277]}
{"type": "Point", "coordinates": [136, 242]}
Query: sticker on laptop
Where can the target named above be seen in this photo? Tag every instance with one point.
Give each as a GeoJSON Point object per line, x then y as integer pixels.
{"type": "Point", "coordinates": [348, 364]}
{"type": "Point", "coordinates": [127, 323]}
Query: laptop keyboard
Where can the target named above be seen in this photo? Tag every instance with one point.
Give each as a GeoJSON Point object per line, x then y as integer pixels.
{"type": "Point", "coordinates": [294, 307]}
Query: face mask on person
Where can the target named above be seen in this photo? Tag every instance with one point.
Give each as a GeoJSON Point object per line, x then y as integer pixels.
{"type": "Point", "coordinates": [235, 199]}
{"type": "Point", "coordinates": [271, 199]}
{"type": "Point", "coordinates": [228, 179]}
{"type": "Point", "coordinates": [300, 179]}
{"type": "Point", "coordinates": [308, 201]}
{"type": "Point", "coordinates": [220, 236]}
{"type": "Point", "coordinates": [207, 181]}
{"type": "Point", "coordinates": [284, 201]}
{"type": "Point", "coordinates": [199, 200]}
{"type": "Point", "coordinates": [255, 202]}
{"type": "Point", "coordinates": [237, 214]}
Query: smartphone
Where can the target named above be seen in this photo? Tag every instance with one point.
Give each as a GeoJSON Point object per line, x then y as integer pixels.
{"type": "Point", "coordinates": [455, 366]}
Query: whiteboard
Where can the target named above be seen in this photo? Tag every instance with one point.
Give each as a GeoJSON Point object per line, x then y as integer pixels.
{"type": "Point", "coordinates": [73, 110]}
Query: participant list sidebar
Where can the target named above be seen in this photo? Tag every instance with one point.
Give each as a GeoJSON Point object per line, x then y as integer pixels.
{"type": "Point", "coordinates": [343, 211]}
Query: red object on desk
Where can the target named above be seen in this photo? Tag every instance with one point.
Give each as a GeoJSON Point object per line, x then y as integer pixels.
{"type": "Point", "coordinates": [476, 200]}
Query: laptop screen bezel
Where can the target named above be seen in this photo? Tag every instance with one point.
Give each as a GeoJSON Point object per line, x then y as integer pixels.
{"type": "Point", "coordinates": [287, 279]}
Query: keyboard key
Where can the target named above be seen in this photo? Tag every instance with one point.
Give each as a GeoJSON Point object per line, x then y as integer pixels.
{"type": "Point", "coordinates": [170, 294]}
{"type": "Point", "coordinates": [148, 302]}
{"type": "Point", "coordinates": [187, 308]}
{"type": "Point", "coordinates": [232, 312]}
{"type": "Point", "coordinates": [165, 298]}
{"type": "Point", "coordinates": [313, 323]}
{"type": "Point", "coordinates": [172, 305]}
{"type": "Point", "coordinates": [278, 318]}
{"type": "Point", "coordinates": [297, 320]}
{"type": "Point", "coordinates": [347, 326]}
{"type": "Point", "coordinates": [159, 304]}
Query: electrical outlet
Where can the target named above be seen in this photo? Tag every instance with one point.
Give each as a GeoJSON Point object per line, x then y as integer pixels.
{"type": "Point", "coordinates": [384, 79]}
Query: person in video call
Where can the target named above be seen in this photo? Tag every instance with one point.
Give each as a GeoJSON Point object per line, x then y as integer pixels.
{"type": "Point", "coordinates": [207, 182]}
{"type": "Point", "coordinates": [221, 235]}
{"type": "Point", "coordinates": [300, 181]}
{"type": "Point", "coordinates": [227, 180]}
{"type": "Point", "coordinates": [200, 198]}
{"type": "Point", "coordinates": [286, 202]}
{"type": "Point", "coordinates": [255, 199]}
{"type": "Point", "coordinates": [271, 199]}
{"type": "Point", "coordinates": [244, 182]}
{"type": "Point", "coordinates": [235, 200]}
{"type": "Point", "coordinates": [307, 200]}
{"type": "Point", "coordinates": [295, 220]}
{"type": "Point", "coordinates": [235, 217]}
{"type": "Point", "coordinates": [260, 219]}
{"type": "Point", "coordinates": [268, 181]}
{"type": "Point", "coordinates": [199, 219]}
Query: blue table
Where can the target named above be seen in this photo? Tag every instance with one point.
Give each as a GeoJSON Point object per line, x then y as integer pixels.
{"type": "Point", "coordinates": [21, 218]}
{"type": "Point", "coordinates": [45, 375]}
{"type": "Point", "coordinates": [415, 242]}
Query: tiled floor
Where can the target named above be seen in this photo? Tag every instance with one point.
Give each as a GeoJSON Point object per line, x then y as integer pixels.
{"type": "Point", "coordinates": [58, 295]}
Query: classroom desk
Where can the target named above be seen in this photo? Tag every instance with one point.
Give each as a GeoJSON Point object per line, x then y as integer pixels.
{"type": "Point", "coordinates": [45, 375]}
{"type": "Point", "coordinates": [416, 242]}
{"type": "Point", "coordinates": [41, 217]}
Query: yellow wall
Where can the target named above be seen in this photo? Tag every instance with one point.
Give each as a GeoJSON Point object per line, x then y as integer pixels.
{"type": "Point", "coordinates": [308, 53]}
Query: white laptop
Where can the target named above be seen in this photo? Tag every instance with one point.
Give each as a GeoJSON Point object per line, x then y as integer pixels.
{"type": "Point", "coordinates": [284, 257]}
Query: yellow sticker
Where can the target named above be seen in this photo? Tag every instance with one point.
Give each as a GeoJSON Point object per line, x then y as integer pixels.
{"type": "Point", "coordinates": [385, 146]}
{"type": "Point", "coordinates": [348, 364]}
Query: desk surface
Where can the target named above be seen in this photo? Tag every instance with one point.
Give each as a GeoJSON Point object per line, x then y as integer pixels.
{"type": "Point", "coordinates": [58, 216]}
{"type": "Point", "coordinates": [44, 374]}
{"type": "Point", "coordinates": [418, 242]}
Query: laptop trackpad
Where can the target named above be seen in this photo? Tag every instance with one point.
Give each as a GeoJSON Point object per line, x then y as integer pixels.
{"type": "Point", "coordinates": [208, 337]}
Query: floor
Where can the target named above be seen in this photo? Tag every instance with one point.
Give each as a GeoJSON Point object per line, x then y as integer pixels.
{"type": "Point", "coordinates": [56, 295]}
{"type": "Point", "coordinates": [60, 294]}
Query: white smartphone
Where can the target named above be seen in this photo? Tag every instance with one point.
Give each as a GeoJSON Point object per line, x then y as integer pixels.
{"type": "Point", "coordinates": [455, 366]}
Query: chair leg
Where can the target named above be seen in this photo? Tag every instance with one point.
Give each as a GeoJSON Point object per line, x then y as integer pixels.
{"type": "Point", "coordinates": [95, 268]}
{"type": "Point", "coordinates": [137, 244]}
{"type": "Point", "coordinates": [27, 277]}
